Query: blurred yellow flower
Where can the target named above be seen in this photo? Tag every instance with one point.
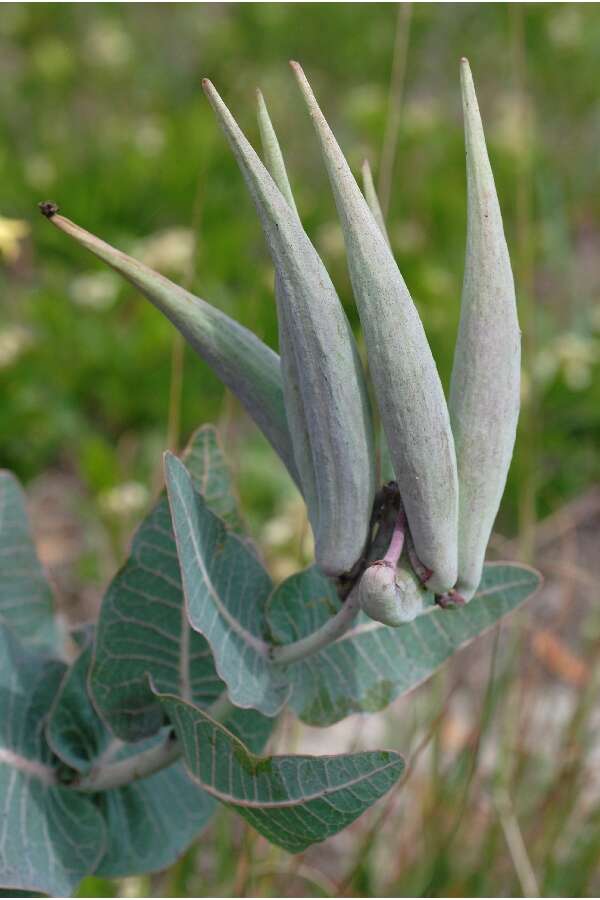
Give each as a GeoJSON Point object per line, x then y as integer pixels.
{"type": "Point", "coordinates": [12, 231]}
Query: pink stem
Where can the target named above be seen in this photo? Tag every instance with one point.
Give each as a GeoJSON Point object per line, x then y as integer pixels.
{"type": "Point", "coordinates": [394, 551]}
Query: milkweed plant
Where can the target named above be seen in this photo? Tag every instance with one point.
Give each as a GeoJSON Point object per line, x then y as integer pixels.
{"type": "Point", "coordinates": [113, 763]}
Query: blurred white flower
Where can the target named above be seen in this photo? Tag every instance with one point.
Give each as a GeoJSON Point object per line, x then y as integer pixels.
{"type": "Point", "coordinates": [108, 45]}
{"type": "Point", "coordinates": [512, 128]}
{"type": "Point", "coordinates": [408, 236]}
{"type": "Point", "coordinates": [421, 114]}
{"type": "Point", "coordinates": [571, 356]}
{"type": "Point", "coordinates": [565, 26]}
{"type": "Point", "coordinates": [437, 281]}
{"type": "Point", "coordinates": [330, 240]}
{"type": "Point", "coordinates": [125, 499]}
{"type": "Point", "coordinates": [149, 137]}
{"type": "Point", "coordinates": [95, 290]}
{"type": "Point", "coordinates": [40, 172]}
{"type": "Point", "coordinates": [12, 231]}
{"type": "Point", "coordinates": [168, 251]}
{"type": "Point", "coordinates": [13, 343]}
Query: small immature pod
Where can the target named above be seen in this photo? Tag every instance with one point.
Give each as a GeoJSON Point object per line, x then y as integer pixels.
{"type": "Point", "coordinates": [390, 595]}
{"type": "Point", "coordinates": [484, 395]}
{"type": "Point", "coordinates": [405, 378]}
{"type": "Point", "coordinates": [329, 383]}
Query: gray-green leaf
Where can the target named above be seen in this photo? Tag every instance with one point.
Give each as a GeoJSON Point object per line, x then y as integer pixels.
{"type": "Point", "coordinates": [50, 837]}
{"type": "Point", "coordinates": [143, 627]}
{"type": "Point", "coordinates": [372, 664]}
{"type": "Point", "coordinates": [294, 801]}
{"type": "Point", "coordinates": [26, 603]}
{"type": "Point", "coordinates": [226, 590]}
{"type": "Point", "coordinates": [149, 823]}
{"type": "Point", "coordinates": [243, 362]}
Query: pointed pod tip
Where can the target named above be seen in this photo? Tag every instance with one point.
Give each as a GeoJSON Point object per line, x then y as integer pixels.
{"type": "Point", "coordinates": [48, 208]}
{"type": "Point", "coordinates": [207, 86]}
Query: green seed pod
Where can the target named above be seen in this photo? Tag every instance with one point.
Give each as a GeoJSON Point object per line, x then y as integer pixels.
{"type": "Point", "coordinates": [325, 366]}
{"type": "Point", "coordinates": [289, 368]}
{"type": "Point", "coordinates": [390, 595]}
{"type": "Point", "coordinates": [484, 394]}
{"type": "Point", "coordinates": [386, 468]}
{"type": "Point", "coordinates": [249, 368]}
{"type": "Point", "coordinates": [372, 199]}
{"type": "Point", "coordinates": [406, 382]}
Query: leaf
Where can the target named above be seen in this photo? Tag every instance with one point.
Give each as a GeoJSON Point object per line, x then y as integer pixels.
{"type": "Point", "coordinates": [26, 602]}
{"type": "Point", "coordinates": [294, 801]}
{"type": "Point", "coordinates": [148, 823]}
{"type": "Point", "coordinates": [372, 664]}
{"type": "Point", "coordinates": [206, 461]}
{"type": "Point", "coordinates": [226, 590]}
{"type": "Point", "coordinates": [50, 837]}
{"type": "Point", "coordinates": [244, 363]}
{"type": "Point", "coordinates": [143, 627]}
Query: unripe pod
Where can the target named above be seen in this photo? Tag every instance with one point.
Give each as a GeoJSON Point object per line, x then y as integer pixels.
{"type": "Point", "coordinates": [405, 378]}
{"type": "Point", "coordinates": [484, 394]}
{"type": "Point", "coordinates": [390, 595]}
{"type": "Point", "coordinates": [290, 375]}
{"type": "Point", "coordinates": [249, 368]}
{"type": "Point", "coordinates": [329, 386]}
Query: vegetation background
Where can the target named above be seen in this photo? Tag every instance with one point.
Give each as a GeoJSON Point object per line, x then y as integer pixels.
{"type": "Point", "coordinates": [102, 112]}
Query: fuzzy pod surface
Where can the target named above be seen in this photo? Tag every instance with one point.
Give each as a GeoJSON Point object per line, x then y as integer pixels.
{"type": "Point", "coordinates": [296, 413]}
{"type": "Point", "coordinates": [407, 386]}
{"type": "Point", "coordinates": [390, 595]}
{"type": "Point", "coordinates": [485, 386]}
{"type": "Point", "coordinates": [330, 382]}
{"type": "Point", "coordinates": [249, 368]}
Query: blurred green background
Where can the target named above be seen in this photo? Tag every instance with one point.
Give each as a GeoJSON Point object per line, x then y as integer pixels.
{"type": "Point", "coordinates": [102, 111]}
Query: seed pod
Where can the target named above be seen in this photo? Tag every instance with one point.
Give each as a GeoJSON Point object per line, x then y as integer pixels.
{"type": "Point", "coordinates": [289, 369]}
{"type": "Point", "coordinates": [272, 153]}
{"type": "Point", "coordinates": [331, 381]}
{"type": "Point", "coordinates": [406, 382]}
{"type": "Point", "coordinates": [385, 463]}
{"type": "Point", "coordinates": [389, 595]}
{"type": "Point", "coordinates": [373, 200]}
{"type": "Point", "coordinates": [484, 394]}
{"type": "Point", "coordinates": [243, 363]}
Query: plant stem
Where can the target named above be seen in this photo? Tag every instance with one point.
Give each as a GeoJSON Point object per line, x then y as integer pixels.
{"type": "Point", "coordinates": [146, 763]}
{"type": "Point", "coordinates": [142, 765]}
{"type": "Point", "coordinates": [394, 551]}
{"type": "Point", "coordinates": [392, 125]}
{"type": "Point", "coordinates": [330, 631]}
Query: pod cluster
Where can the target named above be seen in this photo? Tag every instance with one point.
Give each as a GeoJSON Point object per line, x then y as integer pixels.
{"type": "Point", "coordinates": [449, 461]}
